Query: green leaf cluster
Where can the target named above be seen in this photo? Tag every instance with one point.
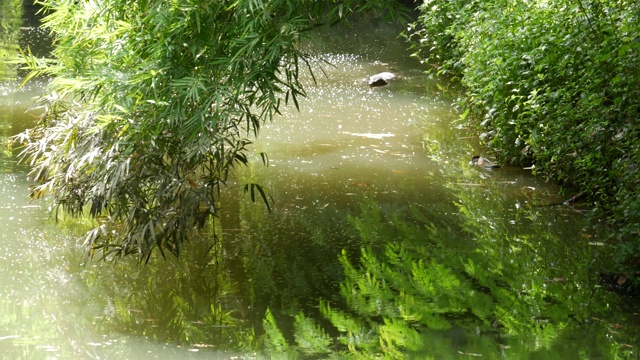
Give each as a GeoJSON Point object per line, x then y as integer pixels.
{"type": "Point", "coordinates": [550, 85]}
{"type": "Point", "coordinates": [152, 104]}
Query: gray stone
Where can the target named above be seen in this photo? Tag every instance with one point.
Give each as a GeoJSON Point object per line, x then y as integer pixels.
{"type": "Point", "coordinates": [381, 79]}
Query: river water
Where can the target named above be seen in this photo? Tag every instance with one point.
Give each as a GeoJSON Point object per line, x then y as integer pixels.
{"type": "Point", "coordinates": [382, 242]}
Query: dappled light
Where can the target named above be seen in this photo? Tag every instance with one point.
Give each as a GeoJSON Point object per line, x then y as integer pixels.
{"type": "Point", "coordinates": [361, 223]}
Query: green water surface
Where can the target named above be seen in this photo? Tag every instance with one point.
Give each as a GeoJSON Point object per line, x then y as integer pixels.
{"type": "Point", "coordinates": [383, 242]}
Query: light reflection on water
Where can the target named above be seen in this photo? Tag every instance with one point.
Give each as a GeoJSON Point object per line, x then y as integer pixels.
{"type": "Point", "coordinates": [348, 144]}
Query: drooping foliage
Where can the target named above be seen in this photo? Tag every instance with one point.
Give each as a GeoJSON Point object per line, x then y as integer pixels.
{"type": "Point", "coordinates": [151, 105]}
{"type": "Point", "coordinates": [553, 85]}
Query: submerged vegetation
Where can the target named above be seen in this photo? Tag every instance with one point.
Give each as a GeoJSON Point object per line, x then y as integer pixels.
{"type": "Point", "coordinates": [550, 85]}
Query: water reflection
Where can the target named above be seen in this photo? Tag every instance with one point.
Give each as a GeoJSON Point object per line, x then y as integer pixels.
{"type": "Point", "coordinates": [17, 31]}
{"type": "Point", "coordinates": [382, 242]}
{"type": "Point", "coordinates": [495, 284]}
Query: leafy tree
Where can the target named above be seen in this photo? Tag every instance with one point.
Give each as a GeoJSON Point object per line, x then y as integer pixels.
{"type": "Point", "coordinates": [152, 104]}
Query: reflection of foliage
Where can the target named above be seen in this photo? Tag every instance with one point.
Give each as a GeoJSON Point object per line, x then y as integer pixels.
{"type": "Point", "coordinates": [497, 275]}
{"type": "Point", "coordinates": [10, 22]}
{"type": "Point", "coordinates": [288, 259]}
{"type": "Point", "coordinates": [311, 338]}
{"type": "Point", "coordinates": [275, 340]}
{"type": "Point", "coordinates": [188, 302]}
{"type": "Point", "coordinates": [419, 293]}
{"type": "Point", "coordinates": [422, 285]}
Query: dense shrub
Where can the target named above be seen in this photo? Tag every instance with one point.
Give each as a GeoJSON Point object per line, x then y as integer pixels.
{"type": "Point", "coordinates": [551, 84]}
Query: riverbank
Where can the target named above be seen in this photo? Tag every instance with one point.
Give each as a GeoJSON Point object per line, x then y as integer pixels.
{"type": "Point", "coordinates": [551, 87]}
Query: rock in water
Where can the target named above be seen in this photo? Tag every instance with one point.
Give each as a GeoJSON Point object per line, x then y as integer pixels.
{"type": "Point", "coordinates": [483, 162]}
{"type": "Point", "coordinates": [381, 79]}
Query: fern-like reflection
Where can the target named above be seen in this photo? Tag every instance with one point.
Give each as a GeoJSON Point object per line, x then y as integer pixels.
{"type": "Point", "coordinates": [425, 293]}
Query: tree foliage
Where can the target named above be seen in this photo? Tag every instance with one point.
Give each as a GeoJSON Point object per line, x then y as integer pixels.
{"type": "Point", "coordinates": [551, 84]}
{"type": "Point", "coordinates": [151, 105]}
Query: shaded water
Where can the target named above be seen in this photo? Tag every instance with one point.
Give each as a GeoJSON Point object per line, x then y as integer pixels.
{"type": "Point", "coordinates": [383, 241]}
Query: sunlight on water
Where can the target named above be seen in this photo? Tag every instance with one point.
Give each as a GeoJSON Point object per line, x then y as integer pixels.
{"type": "Point", "coordinates": [350, 137]}
{"type": "Point", "coordinates": [354, 169]}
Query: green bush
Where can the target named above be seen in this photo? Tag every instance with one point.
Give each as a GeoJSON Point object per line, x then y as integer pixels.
{"type": "Point", "coordinates": [551, 84]}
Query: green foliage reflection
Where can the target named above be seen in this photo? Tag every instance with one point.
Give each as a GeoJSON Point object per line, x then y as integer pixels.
{"type": "Point", "coordinates": [425, 285]}
{"type": "Point", "coordinates": [192, 302]}
{"type": "Point", "coordinates": [10, 23]}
